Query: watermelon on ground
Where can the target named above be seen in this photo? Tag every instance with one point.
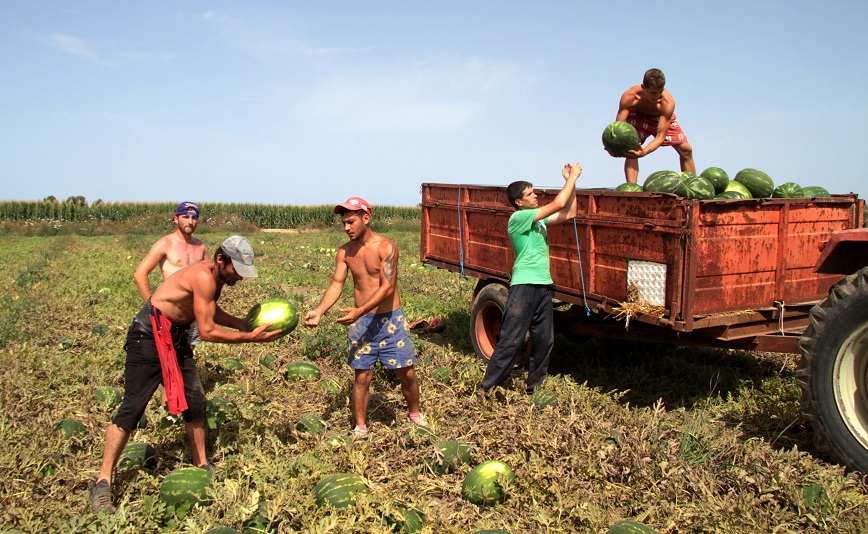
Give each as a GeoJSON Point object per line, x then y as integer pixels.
{"type": "Point", "coordinates": [233, 364]}
{"type": "Point", "coordinates": [619, 138]}
{"type": "Point", "coordinates": [448, 456]}
{"type": "Point", "coordinates": [488, 483]}
{"type": "Point", "coordinates": [310, 424]}
{"type": "Point", "coordinates": [282, 314]}
{"type": "Point", "coordinates": [629, 187]}
{"type": "Point", "coordinates": [757, 182]}
{"type": "Point", "coordinates": [229, 389]}
{"type": "Point", "coordinates": [739, 188]}
{"type": "Point", "coordinates": [268, 360]}
{"type": "Point", "coordinates": [300, 370]}
{"type": "Point", "coordinates": [340, 490]}
{"type": "Point", "coordinates": [650, 184]}
{"type": "Point", "coordinates": [627, 526]}
{"type": "Point", "coordinates": [259, 522]}
{"type": "Point", "coordinates": [185, 485]}
{"type": "Point", "coordinates": [107, 395]}
{"type": "Point", "coordinates": [815, 191]}
{"type": "Point", "coordinates": [221, 530]}
{"type": "Point", "coordinates": [138, 455]}
{"type": "Point", "coordinates": [788, 190]}
{"type": "Point", "coordinates": [406, 520]}
{"type": "Point", "coordinates": [718, 178]}
{"type": "Point", "coordinates": [442, 375]}
{"type": "Point", "coordinates": [219, 411]}
{"type": "Point", "coordinates": [544, 398]}
{"type": "Point", "coordinates": [69, 427]}
{"type": "Point", "coordinates": [698, 188]}
{"type": "Point", "coordinates": [331, 385]}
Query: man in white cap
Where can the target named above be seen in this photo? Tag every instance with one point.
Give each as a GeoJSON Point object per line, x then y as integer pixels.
{"type": "Point", "coordinates": [378, 326]}
{"type": "Point", "coordinates": [158, 352]}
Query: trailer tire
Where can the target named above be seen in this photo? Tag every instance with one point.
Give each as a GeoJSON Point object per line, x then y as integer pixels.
{"type": "Point", "coordinates": [486, 317]}
{"type": "Point", "coordinates": [833, 372]}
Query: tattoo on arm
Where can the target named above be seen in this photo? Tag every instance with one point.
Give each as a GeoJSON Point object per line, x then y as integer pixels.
{"type": "Point", "coordinates": [389, 266]}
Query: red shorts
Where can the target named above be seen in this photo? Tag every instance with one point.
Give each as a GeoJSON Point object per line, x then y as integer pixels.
{"type": "Point", "coordinates": [646, 126]}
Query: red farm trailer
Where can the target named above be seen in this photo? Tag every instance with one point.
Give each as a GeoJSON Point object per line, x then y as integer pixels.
{"type": "Point", "coordinates": [778, 275]}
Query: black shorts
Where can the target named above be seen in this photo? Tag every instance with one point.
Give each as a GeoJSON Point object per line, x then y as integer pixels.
{"type": "Point", "coordinates": [142, 375]}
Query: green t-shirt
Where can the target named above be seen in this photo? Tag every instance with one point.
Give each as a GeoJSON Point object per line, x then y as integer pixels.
{"type": "Point", "coordinates": [530, 243]}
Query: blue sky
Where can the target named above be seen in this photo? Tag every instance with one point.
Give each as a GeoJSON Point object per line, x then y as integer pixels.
{"type": "Point", "coordinates": [302, 103]}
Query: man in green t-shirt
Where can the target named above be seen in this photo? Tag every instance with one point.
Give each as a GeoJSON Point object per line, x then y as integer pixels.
{"type": "Point", "coordinates": [529, 304]}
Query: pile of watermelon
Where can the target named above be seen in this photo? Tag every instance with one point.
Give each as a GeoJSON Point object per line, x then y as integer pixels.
{"type": "Point", "coordinates": [714, 184]}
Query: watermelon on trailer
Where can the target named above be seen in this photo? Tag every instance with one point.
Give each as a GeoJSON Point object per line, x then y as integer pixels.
{"type": "Point", "coordinates": [627, 526]}
{"type": "Point", "coordinates": [487, 483]}
{"type": "Point", "coordinates": [718, 178]}
{"type": "Point", "coordinates": [281, 313]}
{"type": "Point", "coordinates": [788, 190]}
{"type": "Point", "coordinates": [815, 191]}
{"type": "Point", "coordinates": [757, 182]}
{"type": "Point", "coordinates": [650, 184]}
{"type": "Point", "coordinates": [340, 490]}
{"type": "Point", "coordinates": [185, 485]}
{"type": "Point", "coordinates": [544, 398]}
{"type": "Point", "coordinates": [406, 520]}
{"type": "Point", "coordinates": [138, 455]}
{"type": "Point", "coordinates": [671, 182]}
{"type": "Point", "coordinates": [738, 188]}
{"type": "Point", "coordinates": [448, 456]}
{"type": "Point", "coordinates": [629, 187]}
{"type": "Point", "coordinates": [730, 195]}
{"type": "Point", "coordinates": [300, 370]}
{"type": "Point", "coordinates": [69, 427]}
{"type": "Point", "coordinates": [698, 187]}
{"type": "Point", "coordinates": [310, 424]}
{"type": "Point", "coordinates": [619, 138]}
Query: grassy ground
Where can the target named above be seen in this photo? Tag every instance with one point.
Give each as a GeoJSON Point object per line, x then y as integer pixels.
{"type": "Point", "coordinates": [682, 439]}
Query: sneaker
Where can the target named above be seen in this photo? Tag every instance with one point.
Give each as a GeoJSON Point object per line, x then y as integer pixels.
{"type": "Point", "coordinates": [421, 421]}
{"type": "Point", "coordinates": [358, 432]}
{"type": "Point", "coordinates": [100, 497]}
{"type": "Point", "coordinates": [211, 468]}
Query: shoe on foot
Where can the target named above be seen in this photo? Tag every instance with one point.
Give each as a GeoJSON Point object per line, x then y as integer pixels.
{"type": "Point", "coordinates": [421, 420]}
{"type": "Point", "coordinates": [211, 468]}
{"type": "Point", "coordinates": [359, 432]}
{"type": "Point", "coordinates": [100, 497]}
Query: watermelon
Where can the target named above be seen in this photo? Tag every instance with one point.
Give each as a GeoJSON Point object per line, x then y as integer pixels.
{"type": "Point", "coordinates": [417, 435]}
{"type": "Point", "coordinates": [739, 188]}
{"type": "Point", "coordinates": [221, 530]}
{"type": "Point", "coordinates": [619, 138]}
{"type": "Point", "coordinates": [229, 389]}
{"type": "Point", "coordinates": [788, 190]}
{"type": "Point", "coordinates": [340, 490]}
{"type": "Point", "coordinates": [718, 178]}
{"type": "Point", "coordinates": [219, 411]}
{"type": "Point", "coordinates": [487, 483]}
{"type": "Point", "coordinates": [406, 520]}
{"type": "Point", "coordinates": [757, 182]}
{"type": "Point", "coordinates": [49, 465]}
{"type": "Point", "coordinates": [138, 455]}
{"type": "Point", "coordinates": [730, 195]}
{"type": "Point", "coordinates": [543, 398]}
{"type": "Point", "coordinates": [815, 191]}
{"type": "Point", "coordinates": [259, 522]}
{"type": "Point", "coordinates": [281, 313]}
{"type": "Point", "coordinates": [629, 187]}
{"type": "Point", "coordinates": [66, 342]}
{"type": "Point", "coordinates": [107, 395]}
{"type": "Point", "coordinates": [699, 187]}
{"type": "Point", "coordinates": [233, 364]}
{"type": "Point", "coordinates": [300, 370]}
{"type": "Point", "coordinates": [69, 427]}
{"type": "Point", "coordinates": [448, 456]}
{"type": "Point", "coordinates": [650, 184]}
{"type": "Point", "coordinates": [627, 526]}
{"type": "Point", "coordinates": [100, 330]}
{"type": "Point", "coordinates": [268, 361]}
{"type": "Point", "coordinates": [442, 375]}
{"type": "Point", "coordinates": [331, 385]}
{"type": "Point", "coordinates": [185, 485]}
{"type": "Point", "coordinates": [670, 182]}
{"type": "Point", "coordinates": [310, 424]}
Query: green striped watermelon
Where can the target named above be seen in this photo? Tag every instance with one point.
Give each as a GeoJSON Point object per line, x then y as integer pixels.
{"type": "Point", "coordinates": [630, 187]}
{"type": "Point", "coordinates": [233, 364]}
{"type": "Point", "coordinates": [788, 190]}
{"type": "Point", "coordinates": [619, 138]}
{"type": "Point", "coordinates": [757, 182]}
{"type": "Point", "coordinates": [815, 191]}
{"type": "Point", "coordinates": [448, 456]}
{"type": "Point", "coordinates": [107, 395]}
{"type": "Point", "coordinates": [185, 485]}
{"type": "Point", "coordinates": [229, 389]}
{"type": "Point", "coordinates": [630, 527]}
{"type": "Point", "coordinates": [698, 187]}
{"type": "Point", "coordinates": [488, 483]}
{"type": "Point", "coordinates": [219, 411]}
{"type": "Point", "coordinates": [730, 195]}
{"type": "Point", "coordinates": [340, 490]}
{"type": "Point", "coordinates": [69, 427]}
{"type": "Point", "coordinates": [331, 385]}
{"type": "Point", "coordinates": [442, 375]}
{"type": "Point", "coordinates": [417, 435]}
{"type": "Point", "coordinates": [138, 455]}
{"type": "Point", "coordinates": [718, 178]}
{"type": "Point", "coordinates": [650, 184]}
{"type": "Point", "coordinates": [544, 398]}
{"type": "Point", "coordinates": [268, 361]}
{"type": "Point", "coordinates": [407, 520]}
{"type": "Point", "coordinates": [673, 183]}
{"type": "Point", "coordinates": [282, 314]}
{"type": "Point", "coordinates": [301, 370]}
{"type": "Point", "coordinates": [739, 188]}
{"type": "Point", "coordinates": [310, 424]}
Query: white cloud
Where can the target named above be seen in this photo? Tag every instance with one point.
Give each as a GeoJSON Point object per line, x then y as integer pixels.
{"type": "Point", "coordinates": [74, 46]}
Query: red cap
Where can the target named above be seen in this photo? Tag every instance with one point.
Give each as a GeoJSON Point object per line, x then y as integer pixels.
{"type": "Point", "coordinates": [354, 204]}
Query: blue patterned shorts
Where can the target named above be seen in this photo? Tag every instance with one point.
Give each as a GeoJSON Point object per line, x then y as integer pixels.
{"type": "Point", "coordinates": [381, 336]}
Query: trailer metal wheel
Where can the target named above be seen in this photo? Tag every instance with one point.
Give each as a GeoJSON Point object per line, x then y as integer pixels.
{"type": "Point", "coordinates": [833, 372]}
{"type": "Point", "coordinates": [486, 315]}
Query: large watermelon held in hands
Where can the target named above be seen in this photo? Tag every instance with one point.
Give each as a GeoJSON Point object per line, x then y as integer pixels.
{"type": "Point", "coordinates": [757, 182]}
{"type": "Point", "coordinates": [340, 490]}
{"type": "Point", "coordinates": [718, 178]}
{"type": "Point", "coordinates": [698, 187]}
{"type": "Point", "coordinates": [185, 485]}
{"type": "Point", "coordinates": [815, 191]}
{"type": "Point", "coordinates": [281, 313]}
{"type": "Point", "coordinates": [619, 138]}
{"type": "Point", "coordinates": [788, 190]}
{"type": "Point", "coordinates": [300, 370]}
{"type": "Point", "coordinates": [487, 483]}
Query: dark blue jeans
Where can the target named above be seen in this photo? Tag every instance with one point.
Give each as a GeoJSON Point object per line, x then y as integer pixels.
{"type": "Point", "coordinates": [528, 308]}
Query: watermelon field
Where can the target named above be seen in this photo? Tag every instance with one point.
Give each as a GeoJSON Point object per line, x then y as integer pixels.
{"type": "Point", "coordinates": [680, 439]}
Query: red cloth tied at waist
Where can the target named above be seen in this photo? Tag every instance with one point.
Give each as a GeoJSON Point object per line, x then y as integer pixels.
{"type": "Point", "coordinates": [173, 380]}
